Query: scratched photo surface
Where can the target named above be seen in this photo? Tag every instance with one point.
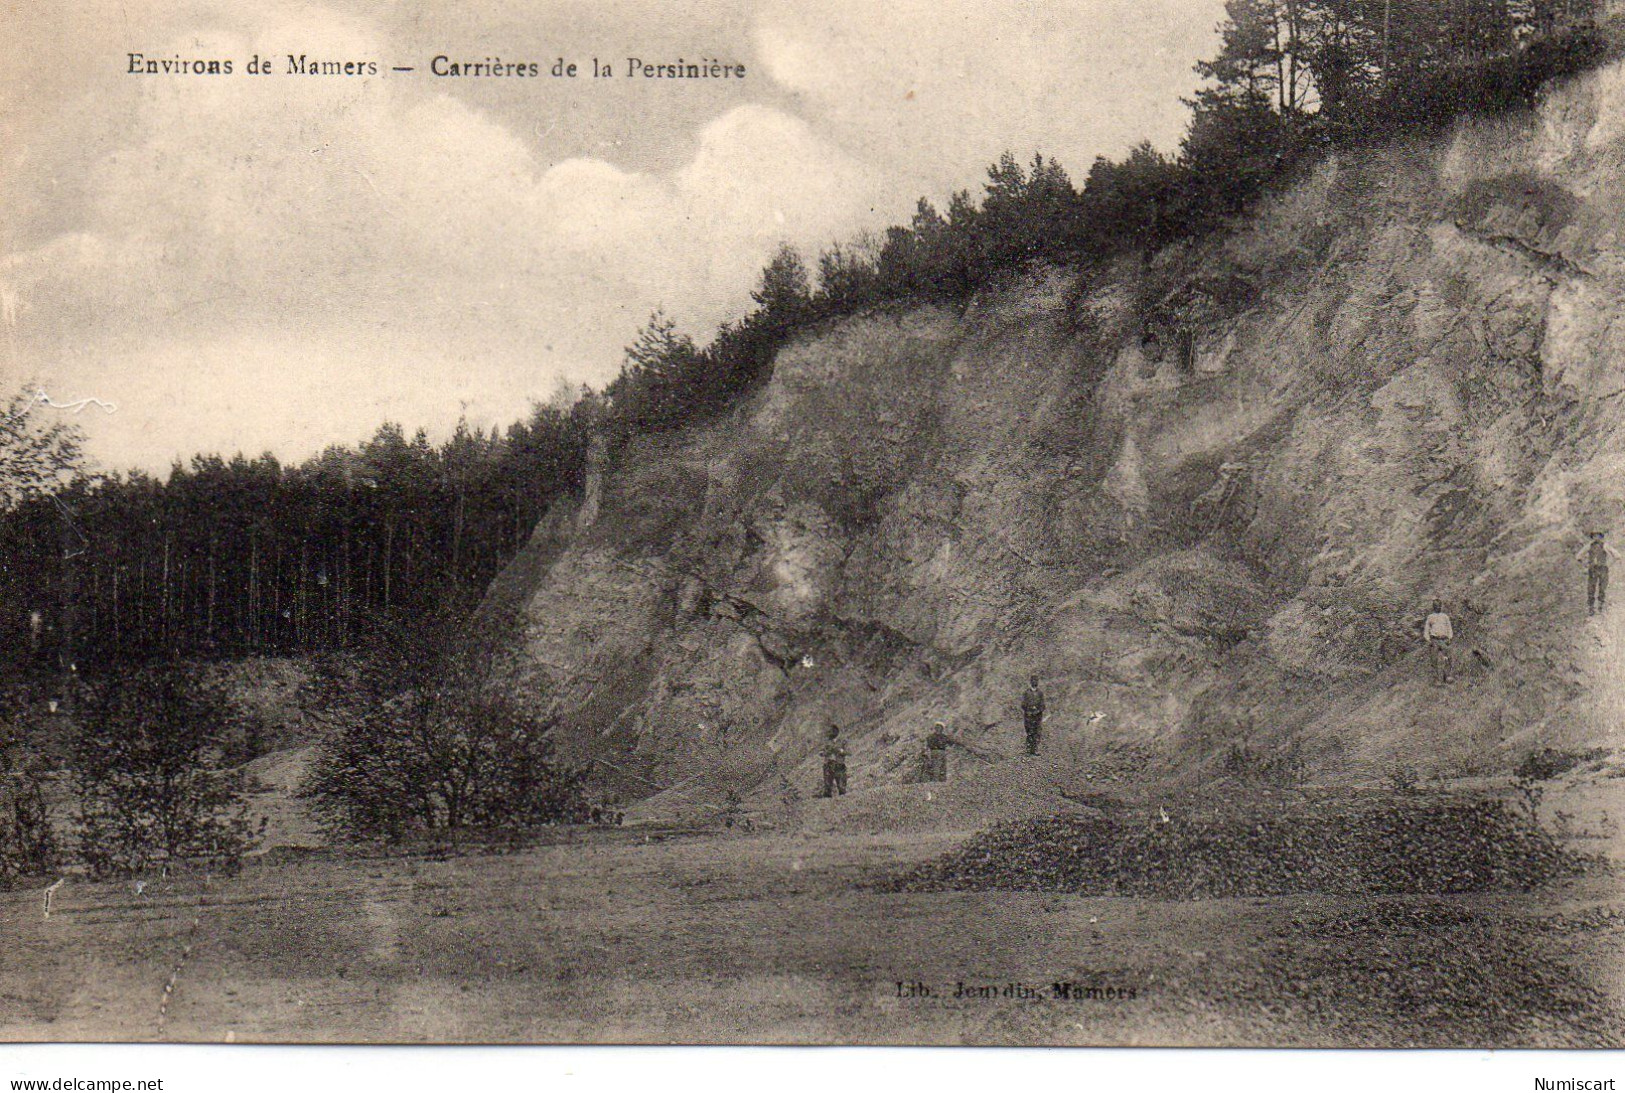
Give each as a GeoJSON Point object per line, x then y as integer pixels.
{"type": "Point", "coordinates": [763, 521]}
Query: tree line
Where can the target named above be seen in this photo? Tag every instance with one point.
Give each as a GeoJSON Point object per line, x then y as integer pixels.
{"type": "Point", "coordinates": [1293, 80]}
{"type": "Point", "coordinates": [228, 557]}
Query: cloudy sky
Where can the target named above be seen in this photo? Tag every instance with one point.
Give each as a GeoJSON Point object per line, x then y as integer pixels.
{"type": "Point", "coordinates": [278, 263]}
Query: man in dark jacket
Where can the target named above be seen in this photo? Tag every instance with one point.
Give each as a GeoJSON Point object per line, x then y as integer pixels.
{"type": "Point", "coordinates": [834, 764]}
{"type": "Point", "coordinates": [1595, 554]}
{"type": "Point", "coordinates": [1032, 714]}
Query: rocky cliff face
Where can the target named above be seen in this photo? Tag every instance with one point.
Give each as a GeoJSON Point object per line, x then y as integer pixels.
{"type": "Point", "coordinates": [1207, 500]}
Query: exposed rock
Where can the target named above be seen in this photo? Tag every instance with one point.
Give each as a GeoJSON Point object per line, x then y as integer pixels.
{"type": "Point", "coordinates": [1400, 382]}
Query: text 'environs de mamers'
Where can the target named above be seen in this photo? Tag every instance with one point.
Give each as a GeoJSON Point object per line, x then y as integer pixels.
{"type": "Point", "coordinates": [301, 64]}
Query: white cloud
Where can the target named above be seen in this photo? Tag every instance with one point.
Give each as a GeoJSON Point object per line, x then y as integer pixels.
{"type": "Point", "coordinates": [281, 261]}
{"type": "Point", "coordinates": [760, 177]}
{"type": "Point", "coordinates": [938, 88]}
{"type": "Point", "coordinates": [279, 265]}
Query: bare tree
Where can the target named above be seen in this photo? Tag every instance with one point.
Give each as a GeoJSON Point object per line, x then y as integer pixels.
{"type": "Point", "coordinates": [37, 456]}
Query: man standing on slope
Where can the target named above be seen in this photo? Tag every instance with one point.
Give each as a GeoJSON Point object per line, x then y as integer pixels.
{"type": "Point", "coordinates": [834, 764]}
{"type": "Point", "coordinates": [936, 752]}
{"type": "Point", "coordinates": [1437, 632]}
{"type": "Point", "coordinates": [1596, 553]}
{"type": "Point", "coordinates": [1032, 714]}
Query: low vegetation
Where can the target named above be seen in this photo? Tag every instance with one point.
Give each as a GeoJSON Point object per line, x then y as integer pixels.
{"type": "Point", "coordinates": [28, 845]}
{"type": "Point", "coordinates": [149, 776]}
{"type": "Point", "coordinates": [1395, 848]}
{"type": "Point", "coordinates": [423, 743]}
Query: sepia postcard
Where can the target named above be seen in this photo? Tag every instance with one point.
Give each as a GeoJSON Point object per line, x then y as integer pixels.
{"type": "Point", "coordinates": [935, 522]}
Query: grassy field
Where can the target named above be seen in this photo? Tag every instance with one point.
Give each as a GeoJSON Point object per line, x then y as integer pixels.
{"type": "Point", "coordinates": [631, 935]}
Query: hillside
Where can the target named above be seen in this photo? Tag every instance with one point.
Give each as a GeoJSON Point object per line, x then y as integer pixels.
{"type": "Point", "coordinates": [1207, 499]}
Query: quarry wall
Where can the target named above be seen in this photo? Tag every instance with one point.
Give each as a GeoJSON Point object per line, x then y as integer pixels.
{"type": "Point", "coordinates": [1206, 498]}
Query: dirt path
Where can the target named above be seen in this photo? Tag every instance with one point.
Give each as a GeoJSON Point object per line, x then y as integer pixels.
{"type": "Point", "coordinates": [771, 938]}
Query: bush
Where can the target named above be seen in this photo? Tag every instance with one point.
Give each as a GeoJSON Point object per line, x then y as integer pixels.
{"type": "Point", "coordinates": [1547, 763]}
{"type": "Point", "coordinates": [426, 744]}
{"type": "Point", "coordinates": [150, 782]}
{"type": "Point", "coordinates": [27, 839]}
{"type": "Point", "coordinates": [1479, 86]}
{"type": "Point", "coordinates": [27, 843]}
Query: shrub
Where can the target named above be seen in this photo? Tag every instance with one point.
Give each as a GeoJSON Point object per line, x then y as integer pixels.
{"type": "Point", "coordinates": [150, 783]}
{"type": "Point", "coordinates": [27, 842]}
{"type": "Point", "coordinates": [1547, 763]}
{"type": "Point", "coordinates": [425, 743]}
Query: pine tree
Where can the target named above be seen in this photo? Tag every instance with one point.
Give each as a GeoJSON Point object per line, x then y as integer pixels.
{"type": "Point", "coordinates": [783, 294]}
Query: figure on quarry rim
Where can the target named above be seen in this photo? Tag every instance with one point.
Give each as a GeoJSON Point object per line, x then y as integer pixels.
{"type": "Point", "coordinates": [1438, 633]}
{"type": "Point", "coordinates": [1595, 554]}
{"type": "Point", "coordinates": [834, 764]}
{"type": "Point", "coordinates": [1032, 714]}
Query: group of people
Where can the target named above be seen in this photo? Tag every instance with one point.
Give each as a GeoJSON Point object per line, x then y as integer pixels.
{"type": "Point", "coordinates": [1439, 633]}
{"type": "Point", "coordinates": [934, 760]}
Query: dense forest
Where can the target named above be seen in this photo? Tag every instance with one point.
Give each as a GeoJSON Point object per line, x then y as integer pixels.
{"type": "Point", "coordinates": [226, 557]}
{"type": "Point", "coordinates": [231, 556]}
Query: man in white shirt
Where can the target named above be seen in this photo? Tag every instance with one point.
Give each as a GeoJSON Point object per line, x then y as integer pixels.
{"type": "Point", "coordinates": [1438, 633]}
